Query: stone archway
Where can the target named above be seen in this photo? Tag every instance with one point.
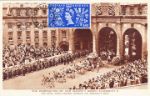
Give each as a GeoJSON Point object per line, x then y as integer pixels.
{"type": "Point", "coordinates": [107, 43]}
{"type": "Point", "coordinates": [132, 44]}
{"type": "Point", "coordinates": [83, 39]}
{"type": "Point", "coordinates": [64, 45]}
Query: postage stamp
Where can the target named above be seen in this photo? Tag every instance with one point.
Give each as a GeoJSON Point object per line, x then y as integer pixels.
{"type": "Point", "coordinates": [50, 49]}
{"type": "Point", "coordinates": [69, 15]}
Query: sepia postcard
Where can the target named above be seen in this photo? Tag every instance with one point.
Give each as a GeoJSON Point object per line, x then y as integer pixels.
{"type": "Point", "coordinates": [73, 47]}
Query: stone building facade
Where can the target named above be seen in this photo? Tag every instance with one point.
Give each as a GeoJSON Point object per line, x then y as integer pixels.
{"type": "Point", "coordinates": [121, 28]}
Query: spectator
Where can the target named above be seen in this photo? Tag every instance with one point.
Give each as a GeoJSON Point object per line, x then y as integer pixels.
{"type": "Point", "coordinates": [129, 74]}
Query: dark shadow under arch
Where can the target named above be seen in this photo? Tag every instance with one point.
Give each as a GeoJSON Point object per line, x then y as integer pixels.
{"type": "Point", "coordinates": [64, 45]}
{"type": "Point", "coordinates": [83, 39]}
{"type": "Point", "coordinates": [107, 42]}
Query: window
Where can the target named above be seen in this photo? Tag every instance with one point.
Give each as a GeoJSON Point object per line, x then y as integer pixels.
{"type": "Point", "coordinates": [10, 35]}
{"type": "Point", "coordinates": [44, 22]}
{"type": "Point", "coordinates": [28, 44]}
{"type": "Point", "coordinates": [144, 9]}
{"type": "Point", "coordinates": [35, 11]}
{"type": "Point", "coordinates": [45, 44]}
{"type": "Point", "coordinates": [21, 6]}
{"type": "Point", "coordinates": [53, 36]}
{"type": "Point", "coordinates": [64, 35]}
{"type": "Point", "coordinates": [19, 33]}
{"type": "Point", "coordinates": [44, 34]}
{"type": "Point", "coordinates": [53, 32]}
{"type": "Point", "coordinates": [36, 34]}
{"type": "Point", "coordinates": [140, 10]}
{"type": "Point", "coordinates": [123, 10]}
{"type": "Point", "coordinates": [10, 25]}
{"type": "Point", "coordinates": [131, 10]}
{"type": "Point", "coordinates": [36, 45]}
{"type": "Point", "coordinates": [27, 34]}
{"type": "Point", "coordinates": [36, 24]}
{"type": "Point", "coordinates": [18, 25]}
{"type": "Point", "coordinates": [44, 11]}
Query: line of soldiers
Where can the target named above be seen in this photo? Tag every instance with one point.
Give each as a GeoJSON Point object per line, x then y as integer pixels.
{"type": "Point", "coordinates": [40, 64]}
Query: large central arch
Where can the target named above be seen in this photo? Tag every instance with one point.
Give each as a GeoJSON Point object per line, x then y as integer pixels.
{"type": "Point", "coordinates": [83, 39]}
{"type": "Point", "coordinates": [132, 44]}
{"type": "Point", "coordinates": [107, 42]}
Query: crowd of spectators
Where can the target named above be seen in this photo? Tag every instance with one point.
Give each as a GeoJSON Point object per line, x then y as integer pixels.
{"type": "Point", "coordinates": [25, 53]}
{"type": "Point", "coordinates": [14, 59]}
{"type": "Point", "coordinates": [107, 54]}
{"type": "Point", "coordinates": [129, 74]}
{"type": "Point", "coordinates": [23, 59]}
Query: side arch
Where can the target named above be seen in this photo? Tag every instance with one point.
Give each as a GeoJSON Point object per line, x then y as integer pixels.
{"type": "Point", "coordinates": [107, 42]}
{"type": "Point", "coordinates": [132, 44]}
{"type": "Point", "coordinates": [64, 45]}
{"type": "Point", "coordinates": [83, 39]}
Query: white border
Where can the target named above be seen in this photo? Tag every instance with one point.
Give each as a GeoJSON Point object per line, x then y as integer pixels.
{"type": "Point", "coordinates": [121, 92]}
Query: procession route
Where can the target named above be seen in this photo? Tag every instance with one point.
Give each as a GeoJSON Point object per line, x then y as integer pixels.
{"type": "Point", "coordinates": [33, 80]}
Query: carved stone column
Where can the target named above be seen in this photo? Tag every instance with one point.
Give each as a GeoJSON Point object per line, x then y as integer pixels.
{"type": "Point", "coordinates": [15, 37]}
{"type": "Point", "coordinates": [71, 39]}
{"type": "Point", "coordinates": [119, 40]}
{"type": "Point", "coordinates": [32, 35]}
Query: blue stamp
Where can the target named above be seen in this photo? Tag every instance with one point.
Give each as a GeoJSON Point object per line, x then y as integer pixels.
{"type": "Point", "coordinates": [69, 15]}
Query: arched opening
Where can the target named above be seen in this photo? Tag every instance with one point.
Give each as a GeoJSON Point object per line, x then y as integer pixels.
{"type": "Point", "coordinates": [83, 39]}
{"type": "Point", "coordinates": [64, 45]}
{"type": "Point", "coordinates": [45, 44]}
{"type": "Point", "coordinates": [132, 44]}
{"type": "Point", "coordinates": [107, 43]}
